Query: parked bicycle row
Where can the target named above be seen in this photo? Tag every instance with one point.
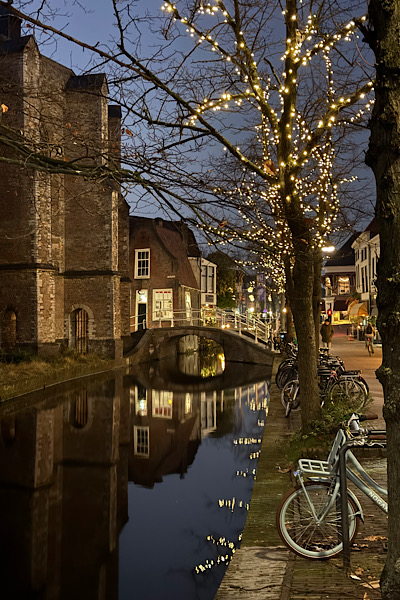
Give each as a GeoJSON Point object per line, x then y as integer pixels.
{"type": "Point", "coordinates": [336, 384]}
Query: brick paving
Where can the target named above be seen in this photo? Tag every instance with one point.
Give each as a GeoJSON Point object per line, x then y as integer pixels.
{"type": "Point", "coordinates": [263, 568]}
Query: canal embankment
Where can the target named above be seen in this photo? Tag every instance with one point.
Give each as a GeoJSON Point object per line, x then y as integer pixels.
{"type": "Point", "coordinates": [33, 373]}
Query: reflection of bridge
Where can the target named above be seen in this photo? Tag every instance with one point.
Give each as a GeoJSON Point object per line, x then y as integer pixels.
{"type": "Point", "coordinates": [164, 375]}
{"type": "Point", "coordinates": [242, 340]}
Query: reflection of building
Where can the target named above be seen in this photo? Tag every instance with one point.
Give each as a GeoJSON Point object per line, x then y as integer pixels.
{"type": "Point", "coordinates": [208, 408]}
{"type": "Point", "coordinates": [164, 285]}
{"type": "Point", "coordinates": [165, 433]}
{"type": "Point", "coordinates": [63, 495]}
{"type": "Point", "coordinates": [367, 249]}
{"type": "Point", "coordinates": [338, 281]}
{"type": "Point", "coordinates": [64, 243]}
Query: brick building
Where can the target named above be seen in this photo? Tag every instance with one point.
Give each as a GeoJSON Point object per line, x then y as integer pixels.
{"type": "Point", "coordinates": [64, 274]}
{"type": "Point", "coordinates": [165, 287]}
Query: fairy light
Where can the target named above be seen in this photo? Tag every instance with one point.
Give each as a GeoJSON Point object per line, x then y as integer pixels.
{"type": "Point", "coordinates": [297, 153]}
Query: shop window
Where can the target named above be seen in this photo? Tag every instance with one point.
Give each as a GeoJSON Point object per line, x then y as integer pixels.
{"type": "Point", "coordinates": [162, 304]}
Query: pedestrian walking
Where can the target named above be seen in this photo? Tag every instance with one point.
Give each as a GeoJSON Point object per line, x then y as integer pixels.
{"type": "Point", "coordinates": [327, 334]}
{"type": "Point", "coordinates": [369, 337]}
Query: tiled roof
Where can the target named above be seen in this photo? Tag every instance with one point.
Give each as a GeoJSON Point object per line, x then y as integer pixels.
{"type": "Point", "coordinates": [172, 240]}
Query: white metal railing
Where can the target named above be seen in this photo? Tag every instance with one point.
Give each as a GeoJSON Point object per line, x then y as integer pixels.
{"type": "Point", "coordinates": [244, 324]}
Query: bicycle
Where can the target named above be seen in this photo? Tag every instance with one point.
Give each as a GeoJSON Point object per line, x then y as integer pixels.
{"type": "Point", "coordinates": [309, 517]}
{"type": "Point", "coordinates": [345, 386]}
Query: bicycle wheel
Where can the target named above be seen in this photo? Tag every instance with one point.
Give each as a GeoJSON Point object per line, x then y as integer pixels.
{"type": "Point", "coordinates": [349, 391]}
{"type": "Point", "coordinates": [287, 374]}
{"type": "Point", "coordinates": [290, 397]}
{"type": "Point", "coordinates": [298, 529]}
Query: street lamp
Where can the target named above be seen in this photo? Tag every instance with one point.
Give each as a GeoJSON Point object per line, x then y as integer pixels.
{"type": "Point", "coordinates": [328, 247]}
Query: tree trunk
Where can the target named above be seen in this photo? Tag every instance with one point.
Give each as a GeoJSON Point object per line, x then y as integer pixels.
{"type": "Point", "coordinates": [384, 158]}
{"type": "Point", "coordinates": [288, 314]}
{"type": "Point", "coordinates": [303, 313]}
{"type": "Point", "coordinates": [317, 296]}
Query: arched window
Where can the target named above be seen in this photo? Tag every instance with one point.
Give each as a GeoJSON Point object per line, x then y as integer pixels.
{"type": "Point", "coordinates": [80, 330]}
{"type": "Point", "coordinates": [8, 430]}
{"type": "Point", "coordinates": [79, 410]}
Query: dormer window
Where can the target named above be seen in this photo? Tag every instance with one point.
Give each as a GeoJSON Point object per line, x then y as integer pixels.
{"type": "Point", "coordinates": [142, 263]}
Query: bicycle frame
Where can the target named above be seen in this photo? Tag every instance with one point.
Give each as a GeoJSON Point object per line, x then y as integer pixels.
{"type": "Point", "coordinates": [330, 474]}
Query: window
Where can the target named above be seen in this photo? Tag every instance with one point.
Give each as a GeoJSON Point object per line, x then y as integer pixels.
{"type": "Point", "coordinates": [204, 278]}
{"type": "Point", "coordinates": [138, 397]}
{"type": "Point", "coordinates": [162, 403]}
{"type": "Point", "coordinates": [142, 263]}
{"type": "Point", "coordinates": [328, 285]}
{"type": "Point", "coordinates": [188, 305]}
{"type": "Point", "coordinates": [80, 330]}
{"type": "Point", "coordinates": [141, 441]}
{"type": "Point", "coordinates": [188, 403]}
{"type": "Point", "coordinates": [344, 285]}
{"type": "Point", "coordinates": [211, 280]}
{"type": "Point", "coordinates": [162, 304]}
{"type": "Point", "coordinates": [80, 410]}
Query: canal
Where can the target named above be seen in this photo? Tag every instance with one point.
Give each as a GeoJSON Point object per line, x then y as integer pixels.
{"type": "Point", "coordinates": [119, 486]}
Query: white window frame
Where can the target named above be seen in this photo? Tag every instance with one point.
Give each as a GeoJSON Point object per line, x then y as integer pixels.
{"type": "Point", "coordinates": [137, 275]}
{"type": "Point", "coordinates": [163, 308]}
{"type": "Point", "coordinates": [144, 450]}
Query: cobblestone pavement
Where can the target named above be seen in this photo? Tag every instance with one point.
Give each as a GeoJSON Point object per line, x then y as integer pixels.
{"type": "Point", "coordinates": [263, 568]}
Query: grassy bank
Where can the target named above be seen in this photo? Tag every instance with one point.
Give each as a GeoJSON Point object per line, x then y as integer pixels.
{"type": "Point", "coordinates": [22, 376]}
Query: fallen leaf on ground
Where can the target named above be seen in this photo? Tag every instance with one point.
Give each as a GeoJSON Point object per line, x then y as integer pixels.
{"type": "Point", "coordinates": [375, 538]}
{"type": "Point", "coordinates": [284, 470]}
{"type": "Point", "coordinates": [353, 576]}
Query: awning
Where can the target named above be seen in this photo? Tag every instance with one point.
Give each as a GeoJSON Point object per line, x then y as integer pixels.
{"type": "Point", "coordinates": [359, 309]}
{"type": "Point", "coordinates": [340, 304]}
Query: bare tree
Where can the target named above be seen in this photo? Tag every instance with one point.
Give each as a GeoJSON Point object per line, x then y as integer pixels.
{"type": "Point", "coordinates": [276, 87]}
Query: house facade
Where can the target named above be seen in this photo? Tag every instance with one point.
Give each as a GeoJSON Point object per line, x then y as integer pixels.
{"type": "Point", "coordinates": [64, 269]}
{"type": "Point", "coordinates": [339, 282]}
{"type": "Point", "coordinates": [367, 250]}
{"type": "Point", "coordinates": [165, 288]}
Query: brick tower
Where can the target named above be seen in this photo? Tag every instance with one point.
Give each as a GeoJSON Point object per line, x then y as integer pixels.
{"type": "Point", "coordinates": [63, 239]}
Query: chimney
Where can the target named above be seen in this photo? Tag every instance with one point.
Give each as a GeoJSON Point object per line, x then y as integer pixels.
{"type": "Point", "coordinates": [10, 25]}
{"type": "Point", "coordinates": [114, 133]}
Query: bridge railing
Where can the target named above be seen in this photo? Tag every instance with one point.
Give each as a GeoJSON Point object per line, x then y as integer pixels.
{"type": "Point", "coordinates": [244, 324]}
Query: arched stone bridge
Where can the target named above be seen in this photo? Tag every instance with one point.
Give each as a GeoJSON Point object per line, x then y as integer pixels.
{"type": "Point", "coordinates": [160, 343]}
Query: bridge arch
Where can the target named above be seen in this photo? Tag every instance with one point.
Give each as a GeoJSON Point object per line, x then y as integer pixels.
{"type": "Point", "coordinates": [161, 343]}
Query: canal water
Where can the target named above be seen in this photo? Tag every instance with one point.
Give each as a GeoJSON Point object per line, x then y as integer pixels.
{"type": "Point", "coordinates": [122, 486]}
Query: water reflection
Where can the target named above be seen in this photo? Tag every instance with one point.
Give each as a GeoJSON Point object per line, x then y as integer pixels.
{"type": "Point", "coordinates": [111, 490]}
{"type": "Point", "coordinates": [209, 361]}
